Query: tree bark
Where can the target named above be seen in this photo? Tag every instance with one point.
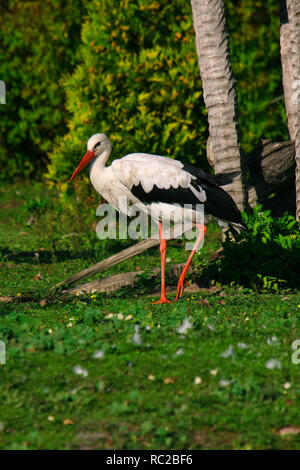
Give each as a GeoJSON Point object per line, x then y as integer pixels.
{"type": "Point", "coordinates": [270, 170]}
{"type": "Point", "coordinates": [293, 8]}
{"type": "Point", "coordinates": [219, 90]}
{"type": "Point", "coordinates": [287, 68]}
{"type": "Point", "coordinates": [271, 177]}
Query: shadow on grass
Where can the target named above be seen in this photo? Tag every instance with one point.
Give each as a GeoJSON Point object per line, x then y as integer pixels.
{"type": "Point", "coordinates": [49, 256]}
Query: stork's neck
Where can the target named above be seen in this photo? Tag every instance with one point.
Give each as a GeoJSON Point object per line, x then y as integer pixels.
{"type": "Point", "coordinates": [97, 166]}
{"type": "Point", "coordinates": [98, 163]}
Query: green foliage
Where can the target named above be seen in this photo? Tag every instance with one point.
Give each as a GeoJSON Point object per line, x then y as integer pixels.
{"type": "Point", "coordinates": [138, 80]}
{"type": "Point", "coordinates": [38, 47]}
{"type": "Point", "coordinates": [267, 257]}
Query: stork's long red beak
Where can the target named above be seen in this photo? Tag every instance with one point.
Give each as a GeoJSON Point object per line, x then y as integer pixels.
{"type": "Point", "coordinates": [85, 160]}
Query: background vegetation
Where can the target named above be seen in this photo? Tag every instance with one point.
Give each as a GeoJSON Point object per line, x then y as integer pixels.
{"type": "Point", "coordinates": [39, 40]}
{"type": "Point", "coordinates": [128, 69]}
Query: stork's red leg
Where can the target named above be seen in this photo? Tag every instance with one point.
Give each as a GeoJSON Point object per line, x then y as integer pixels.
{"type": "Point", "coordinates": [163, 250]}
{"type": "Point", "coordinates": [181, 280]}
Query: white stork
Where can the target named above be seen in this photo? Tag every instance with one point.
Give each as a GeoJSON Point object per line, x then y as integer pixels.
{"type": "Point", "coordinates": [162, 185]}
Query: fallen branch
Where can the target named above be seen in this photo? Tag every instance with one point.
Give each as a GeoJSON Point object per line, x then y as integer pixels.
{"type": "Point", "coordinates": [123, 255]}
{"type": "Point", "coordinates": [115, 282]}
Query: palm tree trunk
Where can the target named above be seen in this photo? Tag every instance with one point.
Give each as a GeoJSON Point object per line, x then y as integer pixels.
{"type": "Point", "coordinates": [219, 90]}
{"type": "Point", "coordinates": [287, 68]}
{"type": "Point", "coordinates": [293, 8]}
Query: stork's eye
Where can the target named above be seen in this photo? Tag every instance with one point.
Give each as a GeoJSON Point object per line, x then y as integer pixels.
{"type": "Point", "coordinates": [98, 145]}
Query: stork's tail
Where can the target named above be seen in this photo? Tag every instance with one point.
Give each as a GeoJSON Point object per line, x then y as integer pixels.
{"type": "Point", "coordinates": [222, 179]}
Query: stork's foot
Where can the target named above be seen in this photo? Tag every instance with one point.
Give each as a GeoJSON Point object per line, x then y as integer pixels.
{"type": "Point", "coordinates": [180, 286]}
{"type": "Point", "coordinates": [163, 300]}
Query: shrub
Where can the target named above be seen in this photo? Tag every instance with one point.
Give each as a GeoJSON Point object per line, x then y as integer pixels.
{"type": "Point", "coordinates": [266, 257]}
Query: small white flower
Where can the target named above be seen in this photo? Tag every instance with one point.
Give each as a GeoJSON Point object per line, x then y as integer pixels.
{"type": "Point", "coordinates": [109, 316]}
{"type": "Point", "coordinates": [287, 385]}
{"type": "Point", "coordinates": [213, 371]}
{"type": "Point", "coordinates": [129, 317]}
{"type": "Point", "coordinates": [50, 331]}
{"type": "Point", "coordinates": [70, 324]}
{"type": "Point", "coordinates": [120, 316]}
{"type": "Point", "coordinates": [197, 380]}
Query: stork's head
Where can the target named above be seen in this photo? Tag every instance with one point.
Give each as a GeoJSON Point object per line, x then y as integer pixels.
{"type": "Point", "coordinates": [96, 145]}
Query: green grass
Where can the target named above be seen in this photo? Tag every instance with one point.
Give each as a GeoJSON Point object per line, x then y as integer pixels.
{"type": "Point", "coordinates": [138, 396]}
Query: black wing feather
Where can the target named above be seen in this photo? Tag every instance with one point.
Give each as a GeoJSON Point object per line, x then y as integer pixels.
{"type": "Point", "coordinates": [218, 202]}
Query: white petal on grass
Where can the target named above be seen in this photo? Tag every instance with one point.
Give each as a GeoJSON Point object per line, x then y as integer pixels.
{"type": "Point", "coordinates": [273, 364]}
{"type": "Point", "coordinates": [80, 371]}
{"type": "Point", "coordinates": [272, 341]}
{"type": "Point", "coordinates": [101, 385]}
{"type": "Point", "coordinates": [179, 352]}
{"type": "Point", "coordinates": [136, 337]}
{"type": "Point", "coordinates": [197, 380]}
{"type": "Point", "coordinates": [185, 326]}
{"type": "Point", "coordinates": [213, 371]}
{"type": "Point", "coordinates": [228, 352]}
{"type": "Point", "coordinates": [242, 345]}
{"type": "Point", "coordinates": [99, 354]}
{"type": "Point", "coordinates": [224, 383]}
{"type": "Point", "coordinates": [211, 327]}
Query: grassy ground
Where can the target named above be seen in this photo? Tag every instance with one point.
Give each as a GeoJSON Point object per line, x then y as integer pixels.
{"type": "Point", "coordinates": [227, 382]}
